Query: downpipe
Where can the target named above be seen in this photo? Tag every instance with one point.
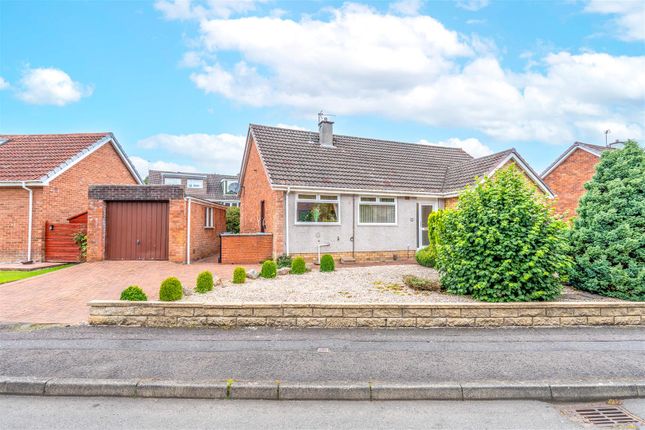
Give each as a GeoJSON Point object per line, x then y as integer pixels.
{"type": "Point", "coordinates": [29, 222]}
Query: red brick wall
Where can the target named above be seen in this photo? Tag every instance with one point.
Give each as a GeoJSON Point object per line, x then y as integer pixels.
{"type": "Point", "coordinates": [246, 248]}
{"type": "Point", "coordinates": [204, 242]}
{"type": "Point", "coordinates": [95, 230]}
{"type": "Point", "coordinates": [64, 197]}
{"type": "Point", "coordinates": [255, 188]}
{"type": "Point", "coordinates": [568, 179]}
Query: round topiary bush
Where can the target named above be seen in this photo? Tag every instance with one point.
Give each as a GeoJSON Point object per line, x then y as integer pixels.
{"type": "Point", "coordinates": [608, 236]}
{"type": "Point", "coordinates": [327, 263]}
{"type": "Point", "coordinates": [134, 294]}
{"type": "Point", "coordinates": [298, 266]}
{"type": "Point", "coordinates": [426, 257]}
{"type": "Point", "coordinates": [239, 275]}
{"type": "Point", "coordinates": [170, 290]}
{"type": "Point", "coordinates": [204, 282]}
{"type": "Point", "coordinates": [269, 269]}
{"type": "Point", "coordinates": [502, 243]}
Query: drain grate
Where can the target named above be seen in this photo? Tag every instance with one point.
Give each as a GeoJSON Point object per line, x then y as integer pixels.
{"type": "Point", "coordinates": [607, 416]}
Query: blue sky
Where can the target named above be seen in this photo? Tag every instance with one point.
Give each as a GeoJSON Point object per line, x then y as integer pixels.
{"type": "Point", "coordinates": [178, 82]}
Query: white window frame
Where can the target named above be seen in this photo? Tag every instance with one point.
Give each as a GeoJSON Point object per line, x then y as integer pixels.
{"type": "Point", "coordinates": [194, 181]}
{"type": "Point", "coordinates": [377, 202]}
{"type": "Point", "coordinates": [173, 181]}
{"type": "Point", "coordinates": [317, 199]}
{"type": "Point", "coordinates": [208, 217]}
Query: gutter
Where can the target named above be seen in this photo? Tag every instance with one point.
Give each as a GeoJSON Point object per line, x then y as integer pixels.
{"type": "Point", "coordinates": [30, 220]}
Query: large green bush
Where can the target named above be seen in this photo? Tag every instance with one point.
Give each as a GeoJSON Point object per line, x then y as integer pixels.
{"type": "Point", "coordinates": [428, 256]}
{"type": "Point", "coordinates": [233, 219]}
{"type": "Point", "coordinates": [298, 266]}
{"type": "Point", "coordinates": [204, 282]}
{"type": "Point", "coordinates": [503, 243]}
{"type": "Point", "coordinates": [134, 293]}
{"type": "Point", "coordinates": [608, 237]}
{"type": "Point", "coordinates": [269, 269]}
{"type": "Point", "coordinates": [327, 263]}
{"type": "Point", "coordinates": [239, 275]}
{"type": "Point", "coordinates": [170, 290]}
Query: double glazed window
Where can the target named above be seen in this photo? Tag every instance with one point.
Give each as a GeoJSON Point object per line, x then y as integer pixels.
{"type": "Point", "coordinates": [195, 183]}
{"type": "Point", "coordinates": [377, 210]}
{"type": "Point", "coordinates": [208, 217]}
{"type": "Point", "coordinates": [172, 181]}
{"type": "Point", "coordinates": [317, 208]}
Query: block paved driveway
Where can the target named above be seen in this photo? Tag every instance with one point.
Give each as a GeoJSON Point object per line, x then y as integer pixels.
{"type": "Point", "coordinates": [62, 296]}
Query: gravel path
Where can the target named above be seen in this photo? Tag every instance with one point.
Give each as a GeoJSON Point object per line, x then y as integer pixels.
{"type": "Point", "coordinates": [373, 284]}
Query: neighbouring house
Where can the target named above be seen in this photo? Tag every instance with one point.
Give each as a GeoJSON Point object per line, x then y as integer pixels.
{"type": "Point", "coordinates": [44, 180]}
{"type": "Point", "coordinates": [567, 175]}
{"type": "Point", "coordinates": [356, 198]}
{"type": "Point", "coordinates": [221, 189]}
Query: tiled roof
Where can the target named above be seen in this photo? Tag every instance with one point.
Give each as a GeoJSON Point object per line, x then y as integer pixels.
{"type": "Point", "coordinates": [294, 157]}
{"type": "Point", "coordinates": [33, 157]}
{"type": "Point", "coordinates": [214, 189]}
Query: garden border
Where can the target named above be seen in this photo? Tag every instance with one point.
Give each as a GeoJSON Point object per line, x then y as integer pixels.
{"type": "Point", "coordinates": [365, 315]}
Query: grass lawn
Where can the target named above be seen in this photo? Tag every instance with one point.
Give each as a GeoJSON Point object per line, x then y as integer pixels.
{"type": "Point", "coordinates": [14, 275]}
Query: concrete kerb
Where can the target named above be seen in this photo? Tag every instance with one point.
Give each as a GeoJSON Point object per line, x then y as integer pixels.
{"type": "Point", "coordinates": [276, 390]}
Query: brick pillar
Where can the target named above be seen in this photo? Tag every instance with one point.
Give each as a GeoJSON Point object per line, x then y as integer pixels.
{"type": "Point", "coordinates": [178, 217]}
{"type": "Point", "coordinates": [95, 230]}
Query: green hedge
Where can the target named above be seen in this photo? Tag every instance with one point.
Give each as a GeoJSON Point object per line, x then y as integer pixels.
{"type": "Point", "coordinates": [204, 282]}
{"type": "Point", "coordinates": [170, 290]}
{"type": "Point", "coordinates": [502, 243]}
{"type": "Point", "coordinates": [239, 275]}
{"type": "Point", "coordinates": [298, 266]}
{"type": "Point", "coordinates": [233, 219]}
{"type": "Point", "coordinates": [608, 236]}
{"type": "Point", "coordinates": [134, 293]}
{"type": "Point", "coordinates": [327, 263]}
{"type": "Point", "coordinates": [269, 269]}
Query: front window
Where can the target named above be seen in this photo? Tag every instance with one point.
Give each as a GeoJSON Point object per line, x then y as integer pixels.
{"type": "Point", "coordinates": [377, 210]}
{"type": "Point", "coordinates": [317, 208]}
{"type": "Point", "coordinates": [172, 181]}
{"type": "Point", "coordinates": [195, 183]}
{"type": "Point", "coordinates": [208, 217]}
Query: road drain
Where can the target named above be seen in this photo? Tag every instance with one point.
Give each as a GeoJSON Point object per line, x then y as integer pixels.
{"type": "Point", "coordinates": [607, 416]}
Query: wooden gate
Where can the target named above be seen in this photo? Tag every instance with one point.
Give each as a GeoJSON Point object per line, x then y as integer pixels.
{"type": "Point", "coordinates": [59, 242]}
{"type": "Point", "coordinates": [136, 231]}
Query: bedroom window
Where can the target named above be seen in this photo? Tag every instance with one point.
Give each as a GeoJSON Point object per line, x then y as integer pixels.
{"type": "Point", "coordinates": [317, 209]}
{"type": "Point", "coordinates": [377, 210]}
{"type": "Point", "coordinates": [195, 183]}
{"type": "Point", "coordinates": [208, 217]}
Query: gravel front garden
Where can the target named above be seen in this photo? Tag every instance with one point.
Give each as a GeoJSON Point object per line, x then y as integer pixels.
{"type": "Point", "coordinates": [373, 284]}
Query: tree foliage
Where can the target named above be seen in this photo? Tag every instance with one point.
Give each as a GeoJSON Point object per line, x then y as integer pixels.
{"type": "Point", "coordinates": [502, 242]}
{"type": "Point", "coordinates": [608, 236]}
{"type": "Point", "coordinates": [233, 219]}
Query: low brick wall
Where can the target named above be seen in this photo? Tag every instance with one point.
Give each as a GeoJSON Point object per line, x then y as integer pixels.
{"type": "Point", "coordinates": [362, 256]}
{"type": "Point", "coordinates": [183, 314]}
{"type": "Point", "coordinates": [246, 248]}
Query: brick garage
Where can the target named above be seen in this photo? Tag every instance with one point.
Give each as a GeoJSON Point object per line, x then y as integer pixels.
{"type": "Point", "coordinates": [186, 238]}
{"type": "Point", "coordinates": [57, 169]}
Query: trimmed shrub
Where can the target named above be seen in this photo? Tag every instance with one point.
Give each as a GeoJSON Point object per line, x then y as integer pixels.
{"type": "Point", "coordinates": [327, 263]}
{"type": "Point", "coordinates": [608, 237]}
{"type": "Point", "coordinates": [269, 269]}
{"type": "Point", "coordinates": [423, 284]}
{"type": "Point", "coordinates": [134, 293]}
{"type": "Point", "coordinates": [239, 275]}
{"type": "Point", "coordinates": [298, 266]}
{"type": "Point", "coordinates": [426, 257]}
{"type": "Point", "coordinates": [204, 282]}
{"type": "Point", "coordinates": [233, 219]}
{"type": "Point", "coordinates": [502, 243]}
{"type": "Point", "coordinates": [170, 290]}
{"type": "Point", "coordinates": [283, 261]}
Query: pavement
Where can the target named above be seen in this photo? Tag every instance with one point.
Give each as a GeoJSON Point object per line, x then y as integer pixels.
{"type": "Point", "coordinates": [62, 296]}
{"type": "Point", "coordinates": [549, 363]}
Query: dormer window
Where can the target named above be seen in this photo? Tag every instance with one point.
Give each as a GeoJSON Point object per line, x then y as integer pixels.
{"type": "Point", "coordinates": [172, 181]}
{"type": "Point", "coordinates": [230, 186]}
{"type": "Point", "coordinates": [195, 183]}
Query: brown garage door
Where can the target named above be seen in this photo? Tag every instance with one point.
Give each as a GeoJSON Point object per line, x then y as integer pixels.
{"type": "Point", "coordinates": [136, 231]}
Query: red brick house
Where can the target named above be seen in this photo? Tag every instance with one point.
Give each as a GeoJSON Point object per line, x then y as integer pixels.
{"type": "Point", "coordinates": [567, 175]}
{"type": "Point", "coordinates": [356, 198]}
{"type": "Point", "coordinates": [45, 179]}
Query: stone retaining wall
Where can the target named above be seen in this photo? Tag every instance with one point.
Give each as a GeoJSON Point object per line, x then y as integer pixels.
{"type": "Point", "coordinates": [337, 315]}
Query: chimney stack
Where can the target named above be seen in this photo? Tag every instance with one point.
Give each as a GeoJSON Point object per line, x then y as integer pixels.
{"type": "Point", "coordinates": [325, 130]}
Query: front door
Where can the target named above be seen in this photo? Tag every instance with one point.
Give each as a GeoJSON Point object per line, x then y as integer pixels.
{"type": "Point", "coordinates": [424, 212]}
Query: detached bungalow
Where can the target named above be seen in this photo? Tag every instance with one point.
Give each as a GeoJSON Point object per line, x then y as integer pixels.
{"type": "Point", "coordinates": [356, 198]}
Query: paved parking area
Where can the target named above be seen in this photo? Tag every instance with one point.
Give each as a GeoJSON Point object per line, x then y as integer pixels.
{"type": "Point", "coordinates": [62, 296]}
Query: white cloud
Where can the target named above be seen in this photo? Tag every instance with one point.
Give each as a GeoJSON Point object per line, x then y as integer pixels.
{"type": "Point", "coordinates": [49, 86]}
{"type": "Point", "coordinates": [406, 7]}
{"type": "Point", "coordinates": [3, 84]}
{"type": "Point", "coordinates": [143, 166]}
{"type": "Point", "coordinates": [471, 145]}
{"type": "Point", "coordinates": [472, 5]}
{"type": "Point", "coordinates": [361, 61]}
{"type": "Point", "coordinates": [217, 153]}
{"type": "Point", "coordinates": [189, 9]}
{"type": "Point", "coordinates": [629, 21]}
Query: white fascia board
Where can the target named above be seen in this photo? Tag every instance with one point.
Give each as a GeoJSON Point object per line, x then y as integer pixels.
{"type": "Point", "coordinates": [204, 202]}
{"type": "Point", "coordinates": [565, 156]}
{"type": "Point", "coordinates": [20, 183]}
